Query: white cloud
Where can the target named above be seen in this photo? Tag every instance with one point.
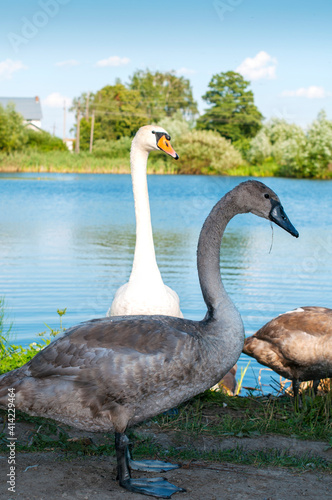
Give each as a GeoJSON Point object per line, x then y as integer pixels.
{"type": "Point", "coordinates": [8, 67]}
{"type": "Point", "coordinates": [113, 61]}
{"type": "Point", "coordinates": [261, 66]}
{"type": "Point", "coordinates": [185, 71]}
{"type": "Point", "coordinates": [56, 100]}
{"type": "Point", "coordinates": [312, 92]}
{"type": "Point", "coordinates": [70, 62]}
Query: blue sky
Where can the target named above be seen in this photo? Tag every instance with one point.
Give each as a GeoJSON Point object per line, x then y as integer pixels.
{"type": "Point", "coordinates": [58, 49]}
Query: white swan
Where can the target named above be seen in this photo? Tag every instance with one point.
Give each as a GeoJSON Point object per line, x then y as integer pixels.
{"type": "Point", "coordinates": [111, 373]}
{"type": "Point", "coordinates": [145, 293]}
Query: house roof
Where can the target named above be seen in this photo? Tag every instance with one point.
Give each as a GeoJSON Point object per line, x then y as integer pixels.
{"type": "Point", "coordinates": [28, 107]}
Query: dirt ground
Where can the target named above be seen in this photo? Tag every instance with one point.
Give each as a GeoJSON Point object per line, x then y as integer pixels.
{"type": "Point", "coordinates": [52, 476]}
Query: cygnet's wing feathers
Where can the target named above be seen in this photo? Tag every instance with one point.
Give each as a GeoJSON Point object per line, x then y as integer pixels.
{"type": "Point", "coordinates": [86, 345]}
{"type": "Point", "coordinates": [141, 363]}
{"type": "Point", "coordinates": [314, 321]}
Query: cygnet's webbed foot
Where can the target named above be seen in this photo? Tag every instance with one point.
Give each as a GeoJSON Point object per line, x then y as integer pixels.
{"type": "Point", "coordinates": [157, 487]}
{"type": "Point", "coordinates": [150, 465]}
{"type": "Point", "coordinates": [154, 486]}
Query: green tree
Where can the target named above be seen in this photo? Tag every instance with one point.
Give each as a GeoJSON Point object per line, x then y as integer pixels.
{"type": "Point", "coordinates": [232, 113]}
{"type": "Point", "coordinates": [163, 94]}
{"type": "Point", "coordinates": [118, 113]}
{"type": "Point", "coordinates": [85, 132]}
{"type": "Point", "coordinates": [13, 134]}
{"type": "Point", "coordinates": [85, 103]}
{"type": "Point", "coordinates": [118, 110]}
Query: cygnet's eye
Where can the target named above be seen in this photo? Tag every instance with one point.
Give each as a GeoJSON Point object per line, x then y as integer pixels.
{"type": "Point", "coordinates": [267, 195]}
{"type": "Point", "coordinates": [153, 132]}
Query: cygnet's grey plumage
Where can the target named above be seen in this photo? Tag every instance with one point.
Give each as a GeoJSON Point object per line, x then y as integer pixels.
{"type": "Point", "coordinates": [108, 374]}
{"type": "Point", "coordinates": [297, 345]}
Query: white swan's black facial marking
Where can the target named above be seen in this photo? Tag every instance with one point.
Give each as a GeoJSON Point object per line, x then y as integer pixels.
{"type": "Point", "coordinates": [160, 134]}
{"type": "Point", "coordinates": [163, 143]}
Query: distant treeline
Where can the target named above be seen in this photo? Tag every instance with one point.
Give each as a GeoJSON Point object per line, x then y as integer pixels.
{"type": "Point", "coordinates": [229, 138]}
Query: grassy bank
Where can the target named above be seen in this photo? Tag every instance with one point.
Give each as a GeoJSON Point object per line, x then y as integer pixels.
{"type": "Point", "coordinates": [213, 415]}
{"type": "Point", "coordinates": [210, 416]}
{"type": "Point", "coordinates": [65, 162]}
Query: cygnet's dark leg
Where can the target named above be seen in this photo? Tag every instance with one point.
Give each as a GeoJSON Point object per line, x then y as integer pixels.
{"type": "Point", "coordinates": [315, 384]}
{"type": "Point", "coordinates": [297, 399]}
{"type": "Point", "coordinates": [296, 387]}
{"type": "Point", "coordinates": [157, 486]}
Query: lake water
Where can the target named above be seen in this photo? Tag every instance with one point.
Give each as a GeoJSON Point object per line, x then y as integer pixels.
{"type": "Point", "coordinates": [67, 240]}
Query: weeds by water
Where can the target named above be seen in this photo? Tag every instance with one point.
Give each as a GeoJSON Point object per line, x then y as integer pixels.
{"type": "Point", "coordinates": [13, 356]}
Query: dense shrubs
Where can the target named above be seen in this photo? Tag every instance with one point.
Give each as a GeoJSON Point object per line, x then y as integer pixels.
{"type": "Point", "coordinates": [200, 151]}
{"type": "Point", "coordinates": [44, 141]}
{"type": "Point", "coordinates": [205, 152]}
{"type": "Point", "coordinates": [318, 159]}
{"type": "Point", "coordinates": [298, 153]}
{"type": "Point", "coordinates": [112, 149]}
{"type": "Point", "coordinates": [16, 136]}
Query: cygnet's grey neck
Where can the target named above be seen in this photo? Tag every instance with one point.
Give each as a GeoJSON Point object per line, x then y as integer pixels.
{"type": "Point", "coordinates": [208, 258]}
{"type": "Point", "coordinates": [144, 259]}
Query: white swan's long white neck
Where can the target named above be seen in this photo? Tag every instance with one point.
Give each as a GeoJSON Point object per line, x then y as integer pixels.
{"type": "Point", "coordinates": [145, 264]}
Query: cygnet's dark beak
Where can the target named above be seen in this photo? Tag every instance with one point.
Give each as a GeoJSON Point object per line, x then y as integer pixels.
{"type": "Point", "coordinates": [279, 217]}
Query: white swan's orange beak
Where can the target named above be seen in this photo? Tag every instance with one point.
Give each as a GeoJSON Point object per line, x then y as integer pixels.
{"type": "Point", "coordinates": [165, 145]}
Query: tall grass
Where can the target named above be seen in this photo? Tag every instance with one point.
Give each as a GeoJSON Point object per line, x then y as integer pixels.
{"type": "Point", "coordinates": [61, 161]}
{"type": "Point", "coordinates": [215, 413]}
{"type": "Point", "coordinates": [194, 159]}
{"type": "Point", "coordinates": [65, 162]}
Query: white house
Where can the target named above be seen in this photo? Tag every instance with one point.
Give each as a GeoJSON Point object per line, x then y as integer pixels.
{"type": "Point", "coordinates": [28, 107]}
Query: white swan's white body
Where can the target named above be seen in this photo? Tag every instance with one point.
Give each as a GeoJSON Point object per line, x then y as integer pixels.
{"type": "Point", "coordinates": [145, 292]}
